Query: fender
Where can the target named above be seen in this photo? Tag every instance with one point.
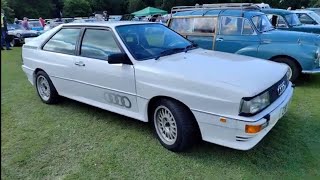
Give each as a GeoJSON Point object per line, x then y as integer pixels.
{"type": "Point", "coordinates": [303, 53]}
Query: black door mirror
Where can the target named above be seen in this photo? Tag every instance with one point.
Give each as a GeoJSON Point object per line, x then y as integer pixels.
{"type": "Point", "coordinates": [119, 58]}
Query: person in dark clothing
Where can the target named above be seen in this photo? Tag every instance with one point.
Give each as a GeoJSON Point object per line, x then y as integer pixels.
{"type": "Point", "coordinates": [4, 32]}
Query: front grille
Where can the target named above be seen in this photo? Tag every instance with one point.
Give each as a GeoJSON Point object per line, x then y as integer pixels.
{"type": "Point", "coordinates": [274, 90]}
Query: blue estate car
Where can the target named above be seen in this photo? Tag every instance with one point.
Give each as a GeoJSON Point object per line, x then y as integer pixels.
{"type": "Point", "coordinates": [289, 20]}
{"type": "Point", "coordinates": [247, 31]}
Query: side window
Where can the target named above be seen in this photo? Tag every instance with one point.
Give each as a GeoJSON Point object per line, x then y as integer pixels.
{"type": "Point", "coordinates": [247, 28]}
{"type": "Point", "coordinates": [231, 25]}
{"type": "Point", "coordinates": [305, 19]}
{"type": "Point", "coordinates": [182, 25]}
{"type": "Point", "coordinates": [281, 22]}
{"type": "Point", "coordinates": [63, 42]}
{"type": "Point", "coordinates": [205, 25]}
{"type": "Point", "coordinates": [98, 44]}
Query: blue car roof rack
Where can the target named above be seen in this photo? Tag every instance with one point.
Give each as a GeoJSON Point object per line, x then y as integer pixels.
{"type": "Point", "coordinates": [208, 7]}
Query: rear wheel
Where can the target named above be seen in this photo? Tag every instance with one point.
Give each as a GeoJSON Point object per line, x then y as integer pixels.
{"type": "Point", "coordinates": [174, 125]}
{"type": "Point", "coordinates": [46, 91]}
{"type": "Point", "coordinates": [294, 69]}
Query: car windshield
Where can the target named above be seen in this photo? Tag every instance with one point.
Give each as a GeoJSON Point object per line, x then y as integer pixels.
{"type": "Point", "coordinates": [34, 24]}
{"type": "Point", "coordinates": [14, 26]}
{"type": "Point", "coordinates": [293, 19]}
{"type": "Point", "coordinates": [262, 23]}
{"type": "Point", "coordinates": [148, 41]}
{"type": "Point", "coordinates": [315, 16]}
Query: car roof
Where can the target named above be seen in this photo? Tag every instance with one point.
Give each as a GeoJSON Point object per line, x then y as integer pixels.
{"type": "Point", "coordinates": [277, 11]}
{"type": "Point", "coordinates": [302, 11]}
{"type": "Point", "coordinates": [218, 12]}
{"type": "Point", "coordinates": [107, 23]}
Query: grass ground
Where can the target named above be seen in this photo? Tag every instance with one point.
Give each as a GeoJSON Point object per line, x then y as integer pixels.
{"type": "Point", "coordinates": [72, 140]}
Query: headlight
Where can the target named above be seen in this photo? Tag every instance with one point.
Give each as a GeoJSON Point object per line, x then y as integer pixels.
{"type": "Point", "coordinates": [254, 105]}
{"type": "Point", "coordinates": [18, 35]}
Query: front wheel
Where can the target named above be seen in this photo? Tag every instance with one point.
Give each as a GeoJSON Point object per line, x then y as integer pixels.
{"type": "Point", "coordinates": [294, 70]}
{"type": "Point", "coordinates": [174, 125]}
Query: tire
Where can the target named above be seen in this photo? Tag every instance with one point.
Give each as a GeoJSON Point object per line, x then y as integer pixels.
{"type": "Point", "coordinates": [45, 89]}
{"type": "Point", "coordinates": [13, 43]}
{"type": "Point", "coordinates": [295, 69]}
{"type": "Point", "coordinates": [174, 125]}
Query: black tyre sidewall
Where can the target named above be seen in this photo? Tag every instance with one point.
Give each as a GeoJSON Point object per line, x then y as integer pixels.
{"type": "Point", "coordinates": [184, 121]}
{"type": "Point", "coordinates": [53, 92]}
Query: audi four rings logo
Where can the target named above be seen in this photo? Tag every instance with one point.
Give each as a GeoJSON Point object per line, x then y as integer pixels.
{"type": "Point", "coordinates": [118, 100]}
{"type": "Point", "coordinates": [281, 88]}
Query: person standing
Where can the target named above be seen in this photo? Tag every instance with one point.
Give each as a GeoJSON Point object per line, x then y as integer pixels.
{"type": "Point", "coordinates": [42, 22]}
{"type": "Point", "coordinates": [16, 21]}
{"type": "Point", "coordinates": [25, 23]}
{"type": "Point", "coordinates": [4, 32]}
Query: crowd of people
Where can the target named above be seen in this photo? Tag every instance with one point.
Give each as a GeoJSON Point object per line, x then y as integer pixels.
{"type": "Point", "coordinates": [5, 39]}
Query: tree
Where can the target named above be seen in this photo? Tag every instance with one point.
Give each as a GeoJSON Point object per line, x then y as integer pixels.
{"type": "Point", "coordinates": [76, 8]}
{"type": "Point", "coordinates": [7, 10]}
{"type": "Point", "coordinates": [31, 8]}
{"type": "Point", "coordinates": [135, 5]}
{"type": "Point", "coordinates": [315, 3]}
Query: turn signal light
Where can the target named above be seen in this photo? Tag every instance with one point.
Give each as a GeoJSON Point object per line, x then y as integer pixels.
{"type": "Point", "coordinates": [253, 128]}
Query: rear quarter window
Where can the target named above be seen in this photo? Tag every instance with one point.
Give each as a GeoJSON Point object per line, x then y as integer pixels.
{"type": "Point", "coordinates": [63, 41]}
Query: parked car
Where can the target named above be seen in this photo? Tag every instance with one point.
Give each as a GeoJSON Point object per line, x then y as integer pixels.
{"type": "Point", "coordinates": [316, 10]}
{"type": "Point", "coordinates": [150, 73]}
{"type": "Point", "coordinates": [18, 34]}
{"type": "Point", "coordinates": [247, 31]}
{"type": "Point", "coordinates": [289, 21]}
{"type": "Point", "coordinates": [87, 20]}
{"type": "Point", "coordinates": [308, 17]}
{"type": "Point", "coordinates": [35, 25]}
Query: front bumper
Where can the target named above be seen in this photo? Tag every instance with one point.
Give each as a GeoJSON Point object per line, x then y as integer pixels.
{"type": "Point", "coordinates": [314, 71]}
{"type": "Point", "coordinates": [232, 132]}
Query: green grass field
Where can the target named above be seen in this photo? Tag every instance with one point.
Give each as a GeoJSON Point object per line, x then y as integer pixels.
{"type": "Point", "coordinates": [72, 140]}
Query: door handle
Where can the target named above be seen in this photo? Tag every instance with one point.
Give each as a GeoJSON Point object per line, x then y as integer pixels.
{"type": "Point", "coordinates": [80, 63]}
{"type": "Point", "coordinates": [219, 39]}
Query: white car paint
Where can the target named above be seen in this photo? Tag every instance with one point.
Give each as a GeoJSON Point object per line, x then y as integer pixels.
{"type": "Point", "coordinates": [210, 83]}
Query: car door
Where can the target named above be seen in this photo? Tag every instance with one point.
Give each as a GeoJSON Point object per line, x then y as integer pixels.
{"type": "Point", "coordinates": [57, 55]}
{"type": "Point", "coordinates": [109, 86]}
{"type": "Point", "coordinates": [236, 33]}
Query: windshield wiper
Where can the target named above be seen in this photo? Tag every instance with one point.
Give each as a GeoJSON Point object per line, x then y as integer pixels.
{"type": "Point", "coordinates": [189, 47]}
{"type": "Point", "coordinates": [168, 52]}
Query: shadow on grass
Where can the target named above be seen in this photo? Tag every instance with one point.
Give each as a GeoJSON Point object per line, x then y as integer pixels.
{"type": "Point", "coordinates": [308, 80]}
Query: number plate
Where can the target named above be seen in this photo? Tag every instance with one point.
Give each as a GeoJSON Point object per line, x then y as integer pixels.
{"type": "Point", "coordinates": [283, 110]}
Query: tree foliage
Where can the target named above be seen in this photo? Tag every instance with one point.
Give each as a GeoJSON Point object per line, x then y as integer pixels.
{"type": "Point", "coordinates": [76, 8]}
{"type": "Point", "coordinates": [7, 10]}
{"type": "Point", "coordinates": [52, 8]}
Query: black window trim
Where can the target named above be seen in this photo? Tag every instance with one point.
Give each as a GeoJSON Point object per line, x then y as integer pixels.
{"type": "Point", "coordinates": [84, 28]}
{"type": "Point", "coordinates": [50, 37]}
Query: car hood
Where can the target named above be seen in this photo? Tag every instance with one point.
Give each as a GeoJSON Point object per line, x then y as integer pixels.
{"type": "Point", "coordinates": [290, 37]}
{"type": "Point", "coordinates": [212, 69]}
